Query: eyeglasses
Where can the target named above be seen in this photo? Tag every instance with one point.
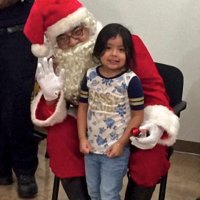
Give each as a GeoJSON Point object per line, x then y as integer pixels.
{"type": "Point", "coordinates": [76, 34]}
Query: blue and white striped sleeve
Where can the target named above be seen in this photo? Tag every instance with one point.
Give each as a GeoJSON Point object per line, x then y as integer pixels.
{"type": "Point", "coordinates": [84, 91]}
{"type": "Point", "coordinates": [135, 94]}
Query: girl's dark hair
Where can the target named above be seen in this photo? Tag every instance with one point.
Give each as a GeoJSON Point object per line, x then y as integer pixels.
{"type": "Point", "coordinates": [110, 31]}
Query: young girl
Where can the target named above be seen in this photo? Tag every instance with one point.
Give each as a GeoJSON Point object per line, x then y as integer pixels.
{"type": "Point", "coordinates": [111, 105]}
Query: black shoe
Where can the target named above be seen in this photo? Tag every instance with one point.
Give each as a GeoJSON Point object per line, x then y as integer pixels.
{"type": "Point", "coordinates": [7, 180]}
{"type": "Point", "coordinates": [27, 186]}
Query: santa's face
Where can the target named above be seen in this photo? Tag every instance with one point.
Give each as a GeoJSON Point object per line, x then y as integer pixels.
{"type": "Point", "coordinates": [73, 37]}
{"type": "Point", "coordinates": [75, 60]}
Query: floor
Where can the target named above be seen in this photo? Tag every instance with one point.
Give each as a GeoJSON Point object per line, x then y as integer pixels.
{"type": "Point", "coordinates": [183, 179]}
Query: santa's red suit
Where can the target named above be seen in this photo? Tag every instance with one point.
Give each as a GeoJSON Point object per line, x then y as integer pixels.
{"type": "Point", "coordinates": [146, 166]}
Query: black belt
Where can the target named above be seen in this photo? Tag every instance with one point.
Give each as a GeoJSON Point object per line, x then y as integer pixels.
{"type": "Point", "coordinates": [11, 29]}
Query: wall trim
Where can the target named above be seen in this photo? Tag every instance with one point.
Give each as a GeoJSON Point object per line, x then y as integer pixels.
{"type": "Point", "coordinates": [187, 146]}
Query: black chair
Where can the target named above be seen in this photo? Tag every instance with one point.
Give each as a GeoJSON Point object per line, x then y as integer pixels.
{"type": "Point", "coordinates": [56, 184]}
{"type": "Point", "coordinates": [173, 80]}
{"type": "Point", "coordinates": [39, 135]}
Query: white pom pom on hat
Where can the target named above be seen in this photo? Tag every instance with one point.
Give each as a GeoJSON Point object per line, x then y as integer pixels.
{"type": "Point", "coordinates": [40, 50]}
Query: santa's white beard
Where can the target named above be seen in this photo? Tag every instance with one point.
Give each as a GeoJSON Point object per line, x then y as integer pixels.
{"type": "Point", "coordinates": [75, 62]}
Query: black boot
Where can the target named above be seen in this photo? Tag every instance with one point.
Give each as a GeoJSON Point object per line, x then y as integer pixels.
{"type": "Point", "coordinates": [27, 186]}
{"type": "Point", "coordinates": [75, 188]}
{"type": "Point", "coordinates": [134, 192]}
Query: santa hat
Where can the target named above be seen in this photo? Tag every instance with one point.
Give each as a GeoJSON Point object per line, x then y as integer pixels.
{"type": "Point", "coordinates": [51, 18]}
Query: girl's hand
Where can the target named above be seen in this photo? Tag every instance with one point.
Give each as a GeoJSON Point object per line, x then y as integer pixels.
{"type": "Point", "coordinates": [115, 150]}
{"type": "Point", "coordinates": [85, 146]}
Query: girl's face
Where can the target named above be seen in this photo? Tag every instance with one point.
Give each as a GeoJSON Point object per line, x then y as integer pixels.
{"type": "Point", "coordinates": [114, 55]}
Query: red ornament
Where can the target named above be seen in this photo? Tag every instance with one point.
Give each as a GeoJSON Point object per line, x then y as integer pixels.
{"type": "Point", "coordinates": [135, 131]}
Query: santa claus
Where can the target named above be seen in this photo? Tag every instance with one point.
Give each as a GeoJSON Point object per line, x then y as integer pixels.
{"type": "Point", "coordinates": [67, 30]}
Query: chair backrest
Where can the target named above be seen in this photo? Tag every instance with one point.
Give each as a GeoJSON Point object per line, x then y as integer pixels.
{"type": "Point", "coordinates": [173, 80]}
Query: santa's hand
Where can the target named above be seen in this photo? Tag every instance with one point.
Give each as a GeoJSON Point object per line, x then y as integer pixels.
{"type": "Point", "coordinates": [50, 83]}
{"type": "Point", "coordinates": [153, 134]}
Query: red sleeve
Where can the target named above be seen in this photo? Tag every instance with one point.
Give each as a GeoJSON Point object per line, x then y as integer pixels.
{"type": "Point", "coordinates": [152, 83]}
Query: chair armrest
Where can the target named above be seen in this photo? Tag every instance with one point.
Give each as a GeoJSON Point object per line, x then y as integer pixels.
{"type": "Point", "coordinates": [179, 107]}
{"type": "Point", "coordinates": [39, 135]}
{"type": "Point", "coordinates": [170, 151]}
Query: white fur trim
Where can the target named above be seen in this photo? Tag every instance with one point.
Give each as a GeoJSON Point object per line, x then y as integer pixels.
{"type": "Point", "coordinates": [58, 116]}
{"type": "Point", "coordinates": [165, 118]}
{"type": "Point", "coordinates": [40, 50]}
{"type": "Point", "coordinates": [66, 23]}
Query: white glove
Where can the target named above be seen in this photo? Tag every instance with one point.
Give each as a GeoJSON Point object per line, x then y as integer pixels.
{"type": "Point", "coordinates": [152, 134]}
{"type": "Point", "coordinates": [49, 82]}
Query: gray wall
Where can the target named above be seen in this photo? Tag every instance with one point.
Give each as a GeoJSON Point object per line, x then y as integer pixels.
{"type": "Point", "coordinates": [171, 31]}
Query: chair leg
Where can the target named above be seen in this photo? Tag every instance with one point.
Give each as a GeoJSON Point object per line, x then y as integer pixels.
{"type": "Point", "coordinates": [163, 181]}
{"type": "Point", "coordinates": [163, 184]}
{"type": "Point", "coordinates": [55, 188]}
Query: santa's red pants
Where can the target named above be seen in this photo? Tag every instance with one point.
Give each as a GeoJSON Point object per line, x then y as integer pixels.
{"type": "Point", "coordinates": [146, 167]}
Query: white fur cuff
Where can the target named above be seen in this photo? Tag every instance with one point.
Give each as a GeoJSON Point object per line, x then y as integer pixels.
{"type": "Point", "coordinates": [165, 118]}
{"type": "Point", "coordinates": [58, 116]}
